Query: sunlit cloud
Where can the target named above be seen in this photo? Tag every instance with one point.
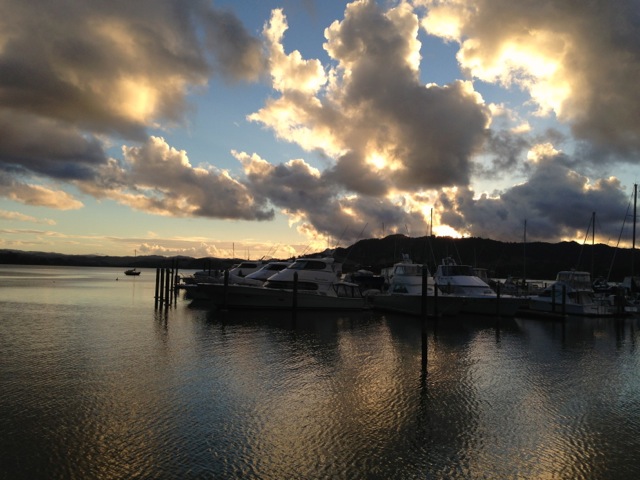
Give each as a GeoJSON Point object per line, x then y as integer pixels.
{"type": "Point", "coordinates": [160, 179]}
{"type": "Point", "coordinates": [20, 217]}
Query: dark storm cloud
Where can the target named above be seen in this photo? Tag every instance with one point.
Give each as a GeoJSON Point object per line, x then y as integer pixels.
{"type": "Point", "coordinates": [556, 202]}
{"type": "Point", "coordinates": [38, 145]}
{"type": "Point", "coordinates": [74, 72]}
{"type": "Point", "coordinates": [315, 199]}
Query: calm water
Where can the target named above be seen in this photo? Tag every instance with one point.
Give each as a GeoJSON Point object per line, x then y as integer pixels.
{"type": "Point", "coordinates": [94, 383]}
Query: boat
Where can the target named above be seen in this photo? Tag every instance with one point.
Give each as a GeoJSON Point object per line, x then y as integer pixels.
{"type": "Point", "coordinates": [246, 268]}
{"type": "Point", "coordinates": [572, 294]}
{"type": "Point", "coordinates": [474, 294]}
{"type": "Point", "coordinates": [132, 271]}
{"type": "Point", "coordinates": [263, 274]}
{"type": "Point", "coordinates": [307, 283]}
{"type": "Point", "coordinates": [367, 280]}
{"type": "Point", "coordinates": [405, 293]}
{"type": "Point", "coordinates": [237, 274]}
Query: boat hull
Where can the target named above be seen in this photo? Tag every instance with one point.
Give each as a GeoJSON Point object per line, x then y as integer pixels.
{"type": "Point", "coordinates": [250, 297]}
{"type": "Point", "coordinates": [413, 304]}
{"type": "Point", "coordinates": [488, 305]}
{"type": "Point", "coordinates": [545, 305]}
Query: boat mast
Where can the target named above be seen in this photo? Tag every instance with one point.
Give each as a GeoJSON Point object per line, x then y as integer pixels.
{"type": "Point", "coordinates": [524, 253]}
{"type": "Point", "coordinates": [593, 243]}
{"type": "Point", "coordinates": [633, 242]}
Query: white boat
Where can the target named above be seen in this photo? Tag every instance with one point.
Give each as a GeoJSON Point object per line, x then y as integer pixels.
{"type": "Point", "coordinates": [572, 294]}
{"type": "Point", "coordinates": [308, 283]}
{"type": "Point", "coordinates": [260, 276]}
{"type": "Point", "coordinates": [474, 294]}
{"type": "Point", "coordinates": [236, 274]}
{"type": "Point", "coordinates": [405, 292]}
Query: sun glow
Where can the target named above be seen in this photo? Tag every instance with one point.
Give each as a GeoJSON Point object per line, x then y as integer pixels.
{"type": "Point", "coordinates": [378, 161]}
{"type": "Point", "coordinates": [446, 231]}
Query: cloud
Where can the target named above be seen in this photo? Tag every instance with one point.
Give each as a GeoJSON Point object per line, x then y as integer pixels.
{"type": "Point", "coordinates": [371, 109]}
{"type": "Point", "coordinates": [81, 76]}
{"type": "Point", "coordinates": [77, 74]}
{"type": "Point", "coordinates": [579, 62]}
{"type": "Point", "coordinates": [194, 250]}
{"type": "Point", "coordinates": [20, 217]}
{"type": "Point", "coordinates": [320, 206]}
{"type": "Point", "coordinates": [35, 145]}
{"type": "Point", "coordinates": [37, 195]}
{"type": "Point", "coordinates": [556, 201]}
{"type": "Point", "coordinates": [159, 179]}
{"type": "Point", "coordinates": [118, 66]}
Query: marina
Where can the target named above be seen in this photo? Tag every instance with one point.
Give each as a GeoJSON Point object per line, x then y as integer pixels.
{"type": "Point", "coordinates": [95, 382]}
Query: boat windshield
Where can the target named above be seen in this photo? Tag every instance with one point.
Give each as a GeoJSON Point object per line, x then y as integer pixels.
{"type": "Point", "coordinates": [581, 280]}
{"type": "Point", "coordinates": [456, 270]}
{"type": "Point", "coordinates": [413, 270]}
{"type": "Point", "coordinates": [308, 265]}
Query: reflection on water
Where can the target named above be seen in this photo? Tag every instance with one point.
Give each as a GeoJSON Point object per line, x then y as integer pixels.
{"type": "Point", "coordinates": [95, 383]}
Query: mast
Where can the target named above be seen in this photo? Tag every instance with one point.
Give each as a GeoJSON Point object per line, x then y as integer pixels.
{"type": "Point", "coordinates": [524, 253]}
{"type": "Point", "coordinates": [593, 243]}
{"type": "Point", "coordinates": [633, 242]}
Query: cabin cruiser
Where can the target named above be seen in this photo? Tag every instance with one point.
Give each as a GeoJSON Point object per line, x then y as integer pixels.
{"type": "Point", "coordinates": [405, 291]}
{"type": "Point", "coordinates": [262, 275]}
{"type": "Point", "coordinates": [572, 294]}
{"type": "Point", "coordinates": [474, 294]}
{"type": "Point", "coordinates": [246, 268]}
{"type": "Point", "coordinates": [236, 274]}
{"type": "Point", "coordinates": [307, 283]}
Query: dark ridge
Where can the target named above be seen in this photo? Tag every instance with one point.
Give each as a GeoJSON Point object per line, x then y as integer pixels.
{"type": "Point", "coordinates": [535, 260]}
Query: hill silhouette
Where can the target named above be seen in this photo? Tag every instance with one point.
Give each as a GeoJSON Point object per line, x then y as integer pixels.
{"type": "Point", "coordinates": [535, 260]}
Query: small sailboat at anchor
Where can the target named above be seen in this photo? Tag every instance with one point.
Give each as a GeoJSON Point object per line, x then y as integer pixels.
{"type": "Point", "coordinates": [133, 271]}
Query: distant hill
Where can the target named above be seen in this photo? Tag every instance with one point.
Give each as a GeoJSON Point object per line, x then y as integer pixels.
{"type": "Point", "coordinates": [535, 260]}
{"type": "Point", "coordinates": [18, 257]}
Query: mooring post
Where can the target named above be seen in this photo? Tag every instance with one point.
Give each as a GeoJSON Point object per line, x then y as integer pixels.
{"type": "Point", "coordinates": [161, 296]}
{"type": "Point", "coordinates": [553, 298]}
{"type": "Point", "coordinates": [294, 300]}
{"type": "Point", "coordinates": [225, 289]}
{"type": "Point", "coordinates": [425, 346]}
{"type": "Point", "coordinates": [176, 282]}
{"type": "Point", "coordinates": [498, 299]}
{"type": "Point", "coordinates": [435, 301]}
{"type": "Point", "coordinates": [564, 300]}
{"type": "Point", "coordinates": [167, 297]}
{"type": "Point", "coordinates": [157, 286]}
{"type": "Point", "coordinates": [423, 301]}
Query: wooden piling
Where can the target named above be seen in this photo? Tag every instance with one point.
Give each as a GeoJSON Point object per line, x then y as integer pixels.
{"type": "Point", "coordinates": [167, 297]}
{"type": "Point", "coordinates": [294, 300]}
{"type": "Point", "coordinates": [425, 291]}
{"type": "Point", "coordinates": [435, 300]}
{"type": "Point", "coordinates": [161, 296]}
{"type": "Point", "coordinates": [497, 299]}
{"type": "Point", "coordinates": [157, 287]}
{"type": "Point", "coordinates": [225, 289]}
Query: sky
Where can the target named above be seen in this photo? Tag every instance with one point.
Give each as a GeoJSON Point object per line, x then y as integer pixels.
{"type": "Point", "coordinates": [259, 128]}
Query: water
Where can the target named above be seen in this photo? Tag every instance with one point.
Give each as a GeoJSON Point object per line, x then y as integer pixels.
{"type": "Point", "coordinates": [94, 383]}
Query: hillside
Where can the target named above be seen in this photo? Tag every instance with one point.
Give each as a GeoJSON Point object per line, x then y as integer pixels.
{"type": "Point", "coordinates": [536, 260]}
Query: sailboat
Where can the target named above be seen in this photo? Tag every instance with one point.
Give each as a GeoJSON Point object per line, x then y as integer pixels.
{"type": "Point", "coordinates": [631, 283]}
{"type": "Point", "coordinates": [133, 271]}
